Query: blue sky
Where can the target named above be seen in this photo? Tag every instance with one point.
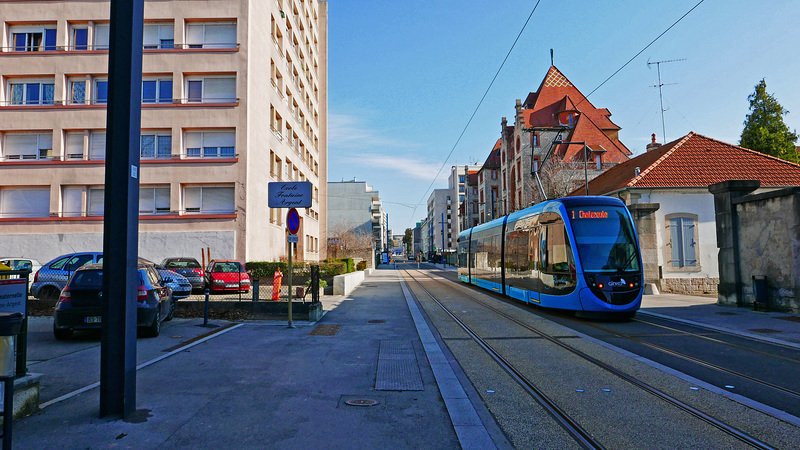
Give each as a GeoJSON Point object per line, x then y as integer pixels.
{"type": "Point", "coordinates": [405, 77]}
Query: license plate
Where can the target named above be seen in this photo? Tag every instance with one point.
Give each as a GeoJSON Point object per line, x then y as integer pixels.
{"type": "Point", "coordinates": [232, 285]}
{"type": "Point", "coordinates": [94, 319]}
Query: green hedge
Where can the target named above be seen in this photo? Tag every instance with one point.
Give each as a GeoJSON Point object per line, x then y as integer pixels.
{"type": "Point", "coordinates": [361, 265]}
{"type": "Point", "coordinates": [266, 269]}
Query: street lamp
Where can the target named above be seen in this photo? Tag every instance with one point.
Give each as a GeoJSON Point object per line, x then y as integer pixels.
{"type": "Point", "coordinates": [585, 159]}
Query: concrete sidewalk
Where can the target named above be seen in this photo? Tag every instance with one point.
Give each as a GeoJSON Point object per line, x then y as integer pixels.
{"type": "Point", "coordinates": [782, 328]}
{"type": "Point", "coordinates": [259, 385]}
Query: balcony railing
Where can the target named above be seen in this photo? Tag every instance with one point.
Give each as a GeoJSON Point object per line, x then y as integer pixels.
{"type": "Point", "coordinates": [103, 102]}
{"type": "Point", "coordinates": [104, 47]}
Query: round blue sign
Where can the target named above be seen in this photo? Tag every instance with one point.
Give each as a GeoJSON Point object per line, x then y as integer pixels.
{"type": "Point", "coordinates": [293, 221]}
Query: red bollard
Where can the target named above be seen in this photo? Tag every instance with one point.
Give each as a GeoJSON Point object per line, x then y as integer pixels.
{"type": "Point", "coordinates": [276, 285]}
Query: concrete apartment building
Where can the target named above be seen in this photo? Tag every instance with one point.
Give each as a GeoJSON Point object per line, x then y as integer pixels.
{"type": "Point", "coordinates": [233, 97]}
{"type": "Point", "coordinates": [354, 206]}
{"type": "Point", "coordinates": [442, 223]}
{"type": "Point", "coordinates": [457, 183]}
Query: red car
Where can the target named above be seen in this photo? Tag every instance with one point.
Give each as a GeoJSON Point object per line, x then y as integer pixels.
{"type": "Point", "coordinates": [225, 275]}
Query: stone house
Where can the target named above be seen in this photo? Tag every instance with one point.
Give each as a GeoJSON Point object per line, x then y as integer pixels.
{"type": "Point", "coordinates": [666, 189]}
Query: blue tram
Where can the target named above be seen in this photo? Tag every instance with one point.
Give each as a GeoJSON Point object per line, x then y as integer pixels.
{"type": "Point", "coordinates": [573, 253]}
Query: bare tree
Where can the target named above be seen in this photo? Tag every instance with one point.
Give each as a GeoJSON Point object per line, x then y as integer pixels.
{"type": "Point", "coordinates": [559, 178]}
{"type": "Point", "coordinates": [344, 241]}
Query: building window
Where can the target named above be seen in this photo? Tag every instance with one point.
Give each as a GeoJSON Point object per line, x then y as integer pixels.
{"type": "Point", "coordinates": [158, 36]}
{"type": "Point", "coordinates": [77, 92]}
{"type": "Point", "coordinates": [599, 160]}
{"type": "Point", "coordinates": [535, 139]}
{"type": "Point", "coordinates": [157, 90]}
{"type": "Point", "coordinates": [210, 144]}
{"type": "Point", "coordinates": [682, 232]}
{"type": "Point", "coordinates": [154, 200]}
{"type": "Point", "coordinates": [28, 146]}
{"type": "Point", "coordinates": [211, 90]}
{"type": "Point", "coordinates": [96, 201]}
{"type": "Point", "coordinates": [97, 145]}
{"type": "Point", "coordinates": [155, 145]}
{"type": "Point", "coordinates": [494, 174]}
{"type": "Point", "coordinates": [101, 92]}
{"type": "Point", "coordinates": [79, 38]}
{"type": "Point", "coordinates": [33, 38]}
{"type": "Point", "coordinates": [101, 34]}
{"type": "Point", "coordinates": [211, 35]}
{"type": "Point", "coordinates": [208, 200]}
{"type": "Point", "coordinates": [73, 145]}
{"type": "Point", "coordinates": [28, 202]}
{"type": "Point", "coordinates": [32, 92]}
{"type": "Point", "coordinates": [72, 201]}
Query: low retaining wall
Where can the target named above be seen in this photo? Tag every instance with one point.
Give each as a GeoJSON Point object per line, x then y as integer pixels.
{"type": "Point", "coordinates": [300, 311]}
{"type": "Point", "coordinates": [345, 284]}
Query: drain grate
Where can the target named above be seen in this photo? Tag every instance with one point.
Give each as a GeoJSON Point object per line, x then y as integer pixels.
{"type": "Point", "coordinates": [361, 402]}
{"type": "Point", "coordinates": [727, 313]}
{"type": "Point", "coordinates": [325, 330]}
{"type": "Point", "coordinates": [764, 330]}
{"type": "Point", "coordinates": [789, 318]}
{"type": "Point", "coordinates": [376, 321]}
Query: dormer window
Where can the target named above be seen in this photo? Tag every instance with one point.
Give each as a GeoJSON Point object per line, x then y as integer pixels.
{"type": "Point", "coordinates": [535, 140]}
{"type": "Point", "coordinates": [566, 118]}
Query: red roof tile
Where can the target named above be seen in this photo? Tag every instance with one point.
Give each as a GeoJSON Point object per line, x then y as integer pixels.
{"type": "Point", "coordinates": [696, 161]}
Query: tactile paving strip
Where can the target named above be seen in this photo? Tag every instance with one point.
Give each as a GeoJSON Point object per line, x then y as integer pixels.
{"type": "Point", "coordinates": [397, 367]}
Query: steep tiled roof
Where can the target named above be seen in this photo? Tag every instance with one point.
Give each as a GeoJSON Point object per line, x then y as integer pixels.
{"type": "Point", "coordinates": [696, 161]}
{"type": "Point", "coordinates": [493, 160]}
{"type": "Point", "coordinates": [551, 93]}
{"type": "Point", "coordinates": [585, 130]}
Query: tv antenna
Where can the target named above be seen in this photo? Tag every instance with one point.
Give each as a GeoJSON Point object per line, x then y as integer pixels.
{"type": "Point", "coordinates": [660, 94]}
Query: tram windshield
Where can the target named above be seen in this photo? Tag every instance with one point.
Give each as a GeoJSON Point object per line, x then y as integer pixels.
{"type": "Point", "coordinates": [604, 238]}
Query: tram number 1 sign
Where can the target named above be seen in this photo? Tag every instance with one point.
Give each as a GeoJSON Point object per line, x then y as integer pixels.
{"type": "Point", "coordinates": [293, 221]}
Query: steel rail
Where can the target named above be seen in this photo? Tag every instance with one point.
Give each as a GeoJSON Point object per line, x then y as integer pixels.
{"type": "Point", "coordinates": [720, 341]}
{"type": "Point", "coordinates": [738, 434]}
{"type": "Point", "coordinates": [694, 360]}
{"type": "Point", "coordinates": [582, 436]}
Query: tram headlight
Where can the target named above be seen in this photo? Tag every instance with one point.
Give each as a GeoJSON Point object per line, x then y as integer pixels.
{"type": "Point", "coordinates": [601, 285]}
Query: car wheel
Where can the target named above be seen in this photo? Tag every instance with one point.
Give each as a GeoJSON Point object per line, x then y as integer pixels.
{"type": "Point", "coordinates": [62, 334]}
{"type": "Point", "coordinates": [49, 293]}
{"type": "Point", "coordinates": [171, 313]}
{"type": "Point", "coordinates": [155, 328]}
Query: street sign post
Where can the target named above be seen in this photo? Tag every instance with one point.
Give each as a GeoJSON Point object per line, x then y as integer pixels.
{"type": "Point", "coordinates": [289, 194]}
{"type": "Point", "coordinates": [292, 226]}
{"type": "Point", "coordinates": [293, 221]}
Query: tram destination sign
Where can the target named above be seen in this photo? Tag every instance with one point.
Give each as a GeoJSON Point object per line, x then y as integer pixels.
{"type": "Point", "coordinates": [289, 194]}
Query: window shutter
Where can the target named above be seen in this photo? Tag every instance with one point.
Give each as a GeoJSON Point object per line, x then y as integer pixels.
{"type": "Point", "coordinates": [220, 36]}
{"type": "Point", "coordinates": [162, 200]}
{"type": "Point", "coordinates": [71, 202]}
{"type": "Point", "coordinates": [146, 201]}
{"type": "Point", "coordinates": [690, 258]}
{"type": "Point", "coordinates": [25, 202]}
{"type": "Point", "coordinates": [677, 242]}
{"type": "Point", "coordinates": [20, 144]}
{"type": "Point", "coordinates": [219, 90]}
{"type": "Point", "coordinates": [219, 139]}
{"type": "Point", "coordinates": [96, 201]}
{"type": "Point", "coordinates": [191, 199]}
{"type": "Point", "coordinates": [150, 38]}
{"type": "Point", "coordinates": [98, 145]}
{"type": "Point", "coordinates": [101, 33]}
{"type": "Point", "coordinates": [194, 34]}
{"type": "Point", "coordinates": [74, 145]}
{"type": "Point", "coordinates": [217, 200]}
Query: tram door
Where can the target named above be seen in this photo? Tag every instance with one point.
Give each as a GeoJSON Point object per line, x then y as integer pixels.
{"type": "Point", "coordinates": [534, 263]}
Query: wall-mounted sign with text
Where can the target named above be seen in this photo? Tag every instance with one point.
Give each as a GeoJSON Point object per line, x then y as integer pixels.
{"type": "Point", "coordinates": [289, 194]}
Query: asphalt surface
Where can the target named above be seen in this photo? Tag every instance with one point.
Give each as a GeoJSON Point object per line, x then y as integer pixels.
{"type": "Point", "coordinates": [261, 384]}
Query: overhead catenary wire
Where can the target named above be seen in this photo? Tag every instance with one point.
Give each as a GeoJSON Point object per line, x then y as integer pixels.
{"type": "Point", "coordinates": [422, 200]}
{"type": "Point", "coordinates": [444, 163]}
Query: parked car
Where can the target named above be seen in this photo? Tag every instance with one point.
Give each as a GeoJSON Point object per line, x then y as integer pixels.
{"type": "Point", "coordinates": [53, 276]}
{"type": "Point", "coordinates": [224, 275]}
{"type": "Point", "coordinates": [19, 263]}
{"type": "Point", "coordinates": [80, 304]}
{"type": "Point", "coordinates": [190, 269]}
{"type": "Point", "coordinates": [181, 287]}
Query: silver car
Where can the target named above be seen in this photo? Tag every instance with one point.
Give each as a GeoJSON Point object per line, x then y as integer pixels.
{"type": "Point", "coordinates": [53, 276]}
{"type": "Point", "coordinates": [181, 287]}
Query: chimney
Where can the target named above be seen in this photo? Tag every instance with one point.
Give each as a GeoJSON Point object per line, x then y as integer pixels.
{"type": "Point", "coordinates": [653, 144]}
{"type": "Point", "coordinates": [637, 171]}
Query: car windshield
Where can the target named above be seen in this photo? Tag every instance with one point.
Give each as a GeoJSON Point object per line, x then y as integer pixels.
{"type": "Point", "coordinates": [87, 279]}
{"type": "Point", "coordinates": [604, 238]}
{"type": "Point", "coordinates": [227, 267]}
{"type": "Point", "coordinates": [182, 265]}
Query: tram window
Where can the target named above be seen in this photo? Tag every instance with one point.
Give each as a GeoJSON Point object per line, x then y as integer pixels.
{"type": "Point", "coordinates": [558, 264]}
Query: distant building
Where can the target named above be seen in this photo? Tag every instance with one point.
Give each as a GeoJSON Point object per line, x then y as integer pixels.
{"type": "Point", "coordinates": [457, 183]}
{"type": "Point", "coordinates": [355, 207]}
{"type": "Point", "coordinates": [441, 231]}
{"type": "Point", "coordinates": [489, 204]}
{"type": "Point", "coordinates": [667, 191]}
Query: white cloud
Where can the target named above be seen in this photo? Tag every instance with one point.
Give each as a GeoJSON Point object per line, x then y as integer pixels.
{"type": "Point", "coordinates": [350, 131]}
{"type": "Point", "coordinates": [404, 167]}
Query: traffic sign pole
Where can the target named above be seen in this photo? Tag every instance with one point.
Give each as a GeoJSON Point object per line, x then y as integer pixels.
{"type": "Point", "coordinates": [292, 225]}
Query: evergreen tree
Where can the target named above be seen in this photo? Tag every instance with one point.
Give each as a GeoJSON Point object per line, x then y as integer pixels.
{"type": "Point", "coordinates": [764, 130]}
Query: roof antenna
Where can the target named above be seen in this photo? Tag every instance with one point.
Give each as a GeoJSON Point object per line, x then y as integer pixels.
{"type": "Point", "coordinates": [551, 57]}
{"type": "Point", "coordinates": [660, 96]}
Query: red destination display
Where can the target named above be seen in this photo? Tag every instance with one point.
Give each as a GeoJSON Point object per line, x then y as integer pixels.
{"type": "Point", "coordinates": [590, 215]}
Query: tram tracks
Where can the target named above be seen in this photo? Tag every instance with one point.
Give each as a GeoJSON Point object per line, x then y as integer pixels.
{"type": "Point", "coordinates": [569, 424]}
{"type": "Point", "coordinates": [701, 362]}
